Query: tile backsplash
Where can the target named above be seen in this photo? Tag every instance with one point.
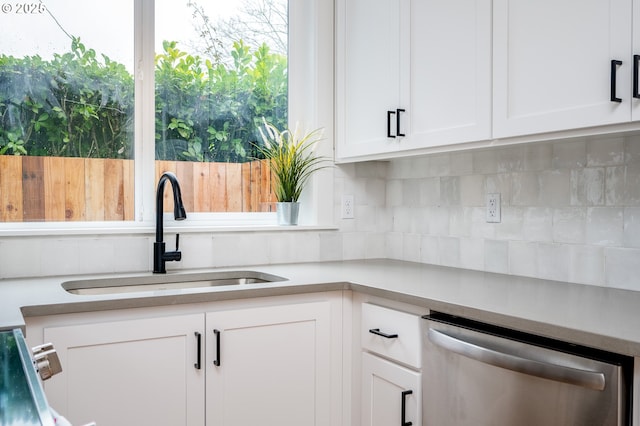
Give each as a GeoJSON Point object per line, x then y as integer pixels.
{"type": "Point", "coordinates": [570, 209]}
{"type": "Point", "coordinates": [570, 212]}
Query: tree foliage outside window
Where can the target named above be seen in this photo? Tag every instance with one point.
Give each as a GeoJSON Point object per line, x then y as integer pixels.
{"type": "Point", "coordinates": [73, 105]}
{"type": "Point", "coordinates": [208, 112]}
{"type": "Point", "coordinates": [80, 103]}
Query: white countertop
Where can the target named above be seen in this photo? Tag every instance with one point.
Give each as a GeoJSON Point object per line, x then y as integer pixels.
{"type": "Point", "coordinates": [594, 316]}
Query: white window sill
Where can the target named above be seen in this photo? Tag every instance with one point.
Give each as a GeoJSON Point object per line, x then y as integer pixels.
{"type": "Point", "coordinates": [194, 224]}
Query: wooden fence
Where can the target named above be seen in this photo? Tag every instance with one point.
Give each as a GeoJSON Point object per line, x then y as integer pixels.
{"type": "Point", "coordinates": [35, 189]}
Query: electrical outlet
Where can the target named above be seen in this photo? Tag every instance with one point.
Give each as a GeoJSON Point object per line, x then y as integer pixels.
{"type": "Point", "coordinates": [347, 207]}
{"type": "Point", "coordinates": [493, 208]}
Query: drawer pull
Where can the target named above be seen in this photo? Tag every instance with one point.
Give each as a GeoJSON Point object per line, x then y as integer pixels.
{"type": "Point", "coordinates": [377, 332]}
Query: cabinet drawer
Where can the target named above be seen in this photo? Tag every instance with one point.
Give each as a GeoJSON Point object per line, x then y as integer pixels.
{"type": "Point", "coordinates": [392, 334]}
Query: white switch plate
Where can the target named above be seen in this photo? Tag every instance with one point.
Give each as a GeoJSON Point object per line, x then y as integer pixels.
{"type": "Point", "coordinates": [347, 207]}
{"type": "Point", "coordinates": [493, 208]}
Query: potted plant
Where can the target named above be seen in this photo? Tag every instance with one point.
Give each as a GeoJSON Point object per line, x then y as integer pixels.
{"type": "Point", "coordinates": [292, 161]}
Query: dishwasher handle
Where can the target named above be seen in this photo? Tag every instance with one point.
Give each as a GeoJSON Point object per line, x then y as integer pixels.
{"type": "Point", "coordinates": [585, 378]}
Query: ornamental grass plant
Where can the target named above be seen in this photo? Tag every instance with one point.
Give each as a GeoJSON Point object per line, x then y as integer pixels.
{"type": "Point", "coordinates": [291, 158]}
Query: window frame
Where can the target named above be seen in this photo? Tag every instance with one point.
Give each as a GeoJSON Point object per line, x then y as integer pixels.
{"type": "Point", "coordinates": [310, 70]}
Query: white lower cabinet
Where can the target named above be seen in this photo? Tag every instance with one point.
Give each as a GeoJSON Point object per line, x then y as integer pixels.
{"type": "Point", "coordinates": [269, 362]}
{"type": "Point", "coordinates": [269, 366]}
{"type": "Point", "coordinates": [391, 388]}
{"type": "Point", "coordinates": [391, 394]}
{"type": "Point", "coordinates": [134, 372]}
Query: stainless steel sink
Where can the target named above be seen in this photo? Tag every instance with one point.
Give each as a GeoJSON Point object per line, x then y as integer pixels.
{"type": "Point", "coordinates": [167, 282]}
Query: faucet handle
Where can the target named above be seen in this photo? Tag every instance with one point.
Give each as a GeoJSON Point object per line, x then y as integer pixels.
{"type": "Point", "coordinates": [177, 241]}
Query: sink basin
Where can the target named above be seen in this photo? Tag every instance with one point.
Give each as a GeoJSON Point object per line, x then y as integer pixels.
{"type": "Point", "coordinates": [167, 282]}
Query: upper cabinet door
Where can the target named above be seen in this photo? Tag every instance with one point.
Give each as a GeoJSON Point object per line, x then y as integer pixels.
{"type": "Point", "coordinates": [553, 66]}
{"type": "Point", "coordinates": [635, 65]}
{"type": "Point", "coordinates": [450, 72]}
{"type": "Point", "coordinates": [372, 66]}
{"type": "Point", "coordinates": [411, 75]}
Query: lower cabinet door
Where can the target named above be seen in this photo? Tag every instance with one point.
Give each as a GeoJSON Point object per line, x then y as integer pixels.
{"type": "Point", "coordinates": [134, 372]}
{"type": "Point", "coordinates": [391, 394]}
{"type": "Point", "coordinates": [269, 366]}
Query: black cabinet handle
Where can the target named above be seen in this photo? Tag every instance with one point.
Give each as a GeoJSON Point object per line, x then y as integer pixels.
{"type": "Point", "coordinates": [399, 110]}
{"type": "Point", "coordinates": [389, 114]}
{"type": "Point", "coordinates": [216, 361]}
{"type": "Point", "coordinates": [636, 65]}
{"type": "Point", "coordinates": [614, 73]}
{"type": "Point", "coordinates": [403, 413]}
{"type": "Point", "coordinates": [197, 365]}
{"type": "Point", "coordinates": [377, 332]}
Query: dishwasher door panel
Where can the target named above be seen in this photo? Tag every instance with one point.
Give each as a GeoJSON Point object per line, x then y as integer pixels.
{"type": "Point", "coordinates": [473, 378]}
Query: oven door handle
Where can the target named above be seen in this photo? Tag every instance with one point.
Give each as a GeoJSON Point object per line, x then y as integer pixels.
{"type": "Point", "coordinates": [585, 378]}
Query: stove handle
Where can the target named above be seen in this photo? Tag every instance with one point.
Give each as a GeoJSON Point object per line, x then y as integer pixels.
{"type": "Point", "coordinates": [588, 379]}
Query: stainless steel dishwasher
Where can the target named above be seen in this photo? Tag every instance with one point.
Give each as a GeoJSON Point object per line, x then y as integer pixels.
{"type": "Point", "coordinates": [478, 374]}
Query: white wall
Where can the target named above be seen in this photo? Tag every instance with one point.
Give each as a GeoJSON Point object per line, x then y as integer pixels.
{"type": "Point", "coordinates": [570, 212]}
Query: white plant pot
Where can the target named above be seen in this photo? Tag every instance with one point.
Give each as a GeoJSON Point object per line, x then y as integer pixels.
{"type": "Point", "coordinates": [287, 213]}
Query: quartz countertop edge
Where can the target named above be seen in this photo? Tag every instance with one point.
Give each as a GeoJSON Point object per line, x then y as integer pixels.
{"type": "Point", "coordinates": [600, 317]}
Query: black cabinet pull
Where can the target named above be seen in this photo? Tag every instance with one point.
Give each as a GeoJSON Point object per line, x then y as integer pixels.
{"type": "Point", "coordinates": [403, 414]}
{"type": "Point", "coordinates": [399, 110]}
{"type": "Point", "coordinates": [216, 361]}
{"type": "Point", "coordinates": [614, 73]}
{"type": "Point", "coordinates": [377, 332]}
{"type": "Point", "coordinates": [197, 365]}
{"type": "Point", "coordinates": [636, 65]}
{"type": "Point", "coordinates": [389, 114]}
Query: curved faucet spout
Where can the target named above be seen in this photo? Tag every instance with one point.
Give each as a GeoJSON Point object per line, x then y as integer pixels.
{"type": "Point", "coordinates": [160, 256]}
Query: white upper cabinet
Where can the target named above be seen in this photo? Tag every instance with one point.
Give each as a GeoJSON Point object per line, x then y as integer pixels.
{"type": "Point", "coordinates": [411, 74]}
{"type": "Point", "coordinates": [450, 72]}
{"type": "Point", "coordinates": [635, 82]}
{"type": "Point", "coordinates": [419, 76]}
{"type": "Point", "coordinates": [372, 60]}
{"type": "Point", "coordinates": [554, 65]}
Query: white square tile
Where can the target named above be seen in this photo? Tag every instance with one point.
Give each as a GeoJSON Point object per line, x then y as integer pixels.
{"type": "Point", "coordinates": [496, 256]}
{"type": "Point", "coordinates": [523, 258]}
{"type": "Point", "coordinates": [586, 264]}
{"type": "Point", "coordinates": [588, 187]}
{"type": "Point", "coordinates": [553, 261]}
{"type": "Point", "coordinates": [622, 268]}
{"type": "Point", "coordinates": [537, 224]}
{"type": "Point", "coordinates": [632, 227]}
{"type": "Point", "coordinates": [605, 226]}
{"type": "Point", "coordinates": [569, 225]}
{"type": "Point", "coordinates": [472, 253]}
{"type": "Point", "coordinates": [21, 257]}
{"type": "Point", "coordinates": [605, 151]}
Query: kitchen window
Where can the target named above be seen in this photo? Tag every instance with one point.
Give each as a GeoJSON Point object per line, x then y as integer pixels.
{"type": "Point", "coordinates": [115, 104]}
